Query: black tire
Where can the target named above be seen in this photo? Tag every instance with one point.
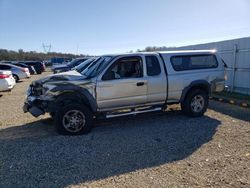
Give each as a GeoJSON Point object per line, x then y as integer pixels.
{"type": "Point", "coordinates": [60, 118]}
{"type": "Point", "coordinates": [16, 77]}
{"type": "Point", "coordinates": [189, 106]}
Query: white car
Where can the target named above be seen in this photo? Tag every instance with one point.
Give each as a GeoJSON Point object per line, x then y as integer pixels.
{"type": "Point", "coordinates": [7, 81]}
{"type": "Point", "coordinates": [17, 72]}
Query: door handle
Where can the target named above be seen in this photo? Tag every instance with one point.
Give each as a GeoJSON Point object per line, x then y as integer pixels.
{"type": "Point", "coordinates": [140, 83]}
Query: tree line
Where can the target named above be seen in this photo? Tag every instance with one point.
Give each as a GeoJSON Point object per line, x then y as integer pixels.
{"type": "Point", "coordinates": [155, 48]}
{"type": "Point", "coordinates": [20, 55]}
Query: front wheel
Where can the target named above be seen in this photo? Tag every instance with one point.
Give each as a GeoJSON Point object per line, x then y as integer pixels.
{"type": "Point", "coordinates": [195, 103]}
{"type": "Point", "coordinates": [74, 119]}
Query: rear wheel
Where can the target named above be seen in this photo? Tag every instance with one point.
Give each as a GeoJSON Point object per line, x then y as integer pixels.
{"type": "Point", "coordinates": [15, 77]}
{"type": "Point", "coordinates": [73, 119]}
{"type": "Point", "coordinates": [195, 103]}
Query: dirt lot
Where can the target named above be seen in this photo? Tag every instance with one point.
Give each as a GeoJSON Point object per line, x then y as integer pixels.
{"type": "Point", "coordinates": [157, 150]}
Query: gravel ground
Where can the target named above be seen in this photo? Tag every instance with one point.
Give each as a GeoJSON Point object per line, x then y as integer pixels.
{"type": "Point", "coordinates": [163, 149]}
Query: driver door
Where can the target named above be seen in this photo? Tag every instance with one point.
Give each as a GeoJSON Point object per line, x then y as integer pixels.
{"type": "Point", "coordinates": [122, 84]}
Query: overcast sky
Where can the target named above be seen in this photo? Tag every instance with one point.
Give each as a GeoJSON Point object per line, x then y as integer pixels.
{"type": "Point", "coordinates": [112, 26]}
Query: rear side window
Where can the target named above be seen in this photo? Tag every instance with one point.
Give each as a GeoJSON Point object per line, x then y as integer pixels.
{"type": "Point", "coordinates": [190, 62]}
{"type": "Point", "coordinates": [153, 66]}
{"type": "Point", "coordinates": [5, 67]}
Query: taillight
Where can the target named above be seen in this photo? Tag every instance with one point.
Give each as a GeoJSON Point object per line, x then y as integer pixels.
{"type": "Point", "coordinates": [2, 76]}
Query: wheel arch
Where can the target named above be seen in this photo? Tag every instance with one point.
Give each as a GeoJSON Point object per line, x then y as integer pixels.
{"type": "Point", "coordinates": [198, 84]}
{"type": "Point", "coordinates": [72, 93]}
{"type": "Point", "coordinates": [16, 76]}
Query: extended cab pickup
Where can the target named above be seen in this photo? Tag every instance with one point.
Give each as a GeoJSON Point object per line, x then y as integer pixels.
{"type": "Point", "coordinates": [123, 84]}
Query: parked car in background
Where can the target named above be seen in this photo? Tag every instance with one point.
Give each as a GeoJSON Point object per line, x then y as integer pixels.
{"type": "Point", "coordinates": [5, 61]}
{"type": "Point", "coordinates": [38, 66]}
{"type": "Point", "coordinates": [17, 72]}
{"type": "Point", "coordinates": [7, 82]}
{"type": "Point", "coordinates": [21, 64]}
{"type": "Point", "coordinates": [84, 65]}
{"type": "Point", "coordinates": [47, 63]}
{"type": "Point", "coordinates": [68, 66]}
{"type": "Point", "coordinates": [60, 60]}
{"type": "Point", "coordinates": [78, 69]}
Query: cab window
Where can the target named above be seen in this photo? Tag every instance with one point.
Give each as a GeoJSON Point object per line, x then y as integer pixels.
{"type": "Point", "coordinates": [153, 66]}
{"type": "Point", "coordinates": [123, 68]}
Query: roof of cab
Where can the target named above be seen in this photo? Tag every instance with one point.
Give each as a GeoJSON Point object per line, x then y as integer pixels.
{"type": "Point", "coordinates": [188, 52]}
{"type": "Point", "coordinates": [166, 52]}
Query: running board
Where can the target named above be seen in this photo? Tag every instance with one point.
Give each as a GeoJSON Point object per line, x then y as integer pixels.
{"type": "Point", "coordinates": [133, 112]}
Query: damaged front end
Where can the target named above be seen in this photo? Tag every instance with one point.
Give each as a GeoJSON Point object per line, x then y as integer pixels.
{"type": "Point", "coordinates": [42, 94]}
{"type": "Point", "coordinates": [39, 99]}
{"type": "Point", "coordinates": [37, 103]}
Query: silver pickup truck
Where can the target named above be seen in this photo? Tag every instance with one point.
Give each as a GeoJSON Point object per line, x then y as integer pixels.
{"type": "Point", "coordinates": [123, 84]}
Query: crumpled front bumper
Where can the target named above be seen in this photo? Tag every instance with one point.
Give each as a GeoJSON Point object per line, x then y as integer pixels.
{"type": "Point", "coordinates": [31, 105]}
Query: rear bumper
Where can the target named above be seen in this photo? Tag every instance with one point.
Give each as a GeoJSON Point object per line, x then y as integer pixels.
{"type": "Point", "coordinates": [6, 85]}
{"type": "Point", "coordinates": [27, 75]}
{"type": "Point", "coordinates": [23, 75]}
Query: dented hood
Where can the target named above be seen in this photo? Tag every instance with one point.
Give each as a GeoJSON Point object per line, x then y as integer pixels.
{"type": "Point", "coordinates": [64, 76]}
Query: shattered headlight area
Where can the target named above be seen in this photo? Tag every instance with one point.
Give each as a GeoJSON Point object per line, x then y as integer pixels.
{"type": "Point", "coordinates": [35, 90]}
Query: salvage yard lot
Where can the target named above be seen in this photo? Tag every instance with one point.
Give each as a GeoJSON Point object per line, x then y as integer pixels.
{"type": "Point", "coordinates": [161, 149]}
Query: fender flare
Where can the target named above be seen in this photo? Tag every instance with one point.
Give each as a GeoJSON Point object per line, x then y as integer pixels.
{"type": "Point", "coordinates": [196, 84]}
{"type": "Point", "coordinates": [78, 92]}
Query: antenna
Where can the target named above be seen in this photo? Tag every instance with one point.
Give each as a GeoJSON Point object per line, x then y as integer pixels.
{"type": "Point", "coordinates": [46, 48]}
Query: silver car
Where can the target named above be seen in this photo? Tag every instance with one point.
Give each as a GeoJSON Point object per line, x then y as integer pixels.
{"type": "Point", "coordinates": [17, 72]}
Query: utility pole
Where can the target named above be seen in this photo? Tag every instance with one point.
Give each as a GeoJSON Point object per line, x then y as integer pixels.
{"type": "Point", "coordinates": [46, 48]}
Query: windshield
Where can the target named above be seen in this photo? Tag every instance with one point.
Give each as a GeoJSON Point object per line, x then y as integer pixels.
{"type": "Point", "coordinates": [83, 65]}
{"type": "Point", "coordinates": [75, 62]}
{"type": "Point", "coordinates": [97, 66]}
{"type": "Point", "coordinates": [71, 62]}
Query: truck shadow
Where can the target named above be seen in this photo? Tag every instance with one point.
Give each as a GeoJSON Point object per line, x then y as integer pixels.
{"type": "Point", "coordinates": [231, 110]}
{"type": "Point", "coordinates": [114, 147]}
